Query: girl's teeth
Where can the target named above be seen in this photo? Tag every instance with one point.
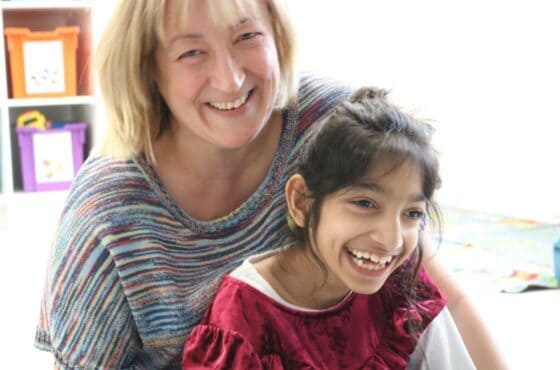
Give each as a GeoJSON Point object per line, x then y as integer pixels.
{"type": "Point", "coordinates": [370, 259]}
{"type": "Point", "coordinates": [367, 265]}
{"type": "Point", "coordinates": [230, 105]}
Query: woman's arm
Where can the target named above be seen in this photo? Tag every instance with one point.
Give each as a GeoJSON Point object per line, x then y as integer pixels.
{"type": "Point", "coordinates": [478, 340]}
{"type": "Point", "coordinates": [85, 317]}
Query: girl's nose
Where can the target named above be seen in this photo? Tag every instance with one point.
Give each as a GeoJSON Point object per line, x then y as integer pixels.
{"type": "Point", "coordinates": [387, 232]}
{"type": "Point", "coordinates": [227, 75]}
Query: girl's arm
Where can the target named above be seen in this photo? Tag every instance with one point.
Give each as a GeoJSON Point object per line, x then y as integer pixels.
{"type": "Point", "coordinates": [478, 339]}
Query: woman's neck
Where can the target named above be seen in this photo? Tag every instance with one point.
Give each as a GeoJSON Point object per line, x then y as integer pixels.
{"type": "Point", "coordinates": [297, 276]}
{"type": "Point", "coordinates": [209, 182]}
{"type": "Point", "coordinates": [206, 160]}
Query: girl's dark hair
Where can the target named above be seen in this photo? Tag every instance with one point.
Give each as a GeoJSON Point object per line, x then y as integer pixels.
{"type": "Point", "coordinates": [360, 133]}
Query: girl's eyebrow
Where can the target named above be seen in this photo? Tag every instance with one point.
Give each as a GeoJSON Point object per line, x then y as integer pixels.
{"type": "Point", "coordinates": [415, 197]}
{"type": "Point", "coordinates": [369, 186]}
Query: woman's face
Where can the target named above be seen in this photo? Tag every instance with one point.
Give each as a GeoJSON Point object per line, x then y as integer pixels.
{"type": "Point", "coordinates": [219, 80]}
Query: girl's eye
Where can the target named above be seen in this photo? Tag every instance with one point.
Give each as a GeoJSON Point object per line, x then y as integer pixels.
{"type": "Point", "coordinates": [364, 203]}
{"type": "Point", "coordinates": [190, 54]}
{"type": "Point", "coordinates": [248, 36]}
{"type": "Point", "coordinates": [417, 215]}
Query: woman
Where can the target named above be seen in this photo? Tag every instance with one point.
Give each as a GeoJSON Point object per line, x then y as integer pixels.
{"type": "Point", "coordinates": [203, 123]}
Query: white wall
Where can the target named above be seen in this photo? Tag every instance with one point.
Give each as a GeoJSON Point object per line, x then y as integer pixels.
{"type": "Point", "coordinates": [486, 71]}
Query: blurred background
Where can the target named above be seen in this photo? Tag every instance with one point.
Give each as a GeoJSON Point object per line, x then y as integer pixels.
{"type": "Point", "coordinates": [485, 72]}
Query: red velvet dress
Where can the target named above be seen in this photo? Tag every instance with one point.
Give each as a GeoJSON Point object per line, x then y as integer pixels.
{"type": "Point", "coordinates": [245, 329]}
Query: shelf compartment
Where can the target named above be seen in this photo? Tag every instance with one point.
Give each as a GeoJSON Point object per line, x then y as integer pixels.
{"type": "Point", "coordinates": [47, 19]}
{"type": "Point", "coordinates": [41, 102]}
{"type": "Point", "coordinates": [51, 158]}
{"type": "Point", "coordinates": [42, 4]}
{"type": "Point", "coordinates": [56, 113]}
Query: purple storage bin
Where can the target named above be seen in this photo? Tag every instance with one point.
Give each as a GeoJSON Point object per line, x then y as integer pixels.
{"type": "Point", "coordinates": [51, 158]}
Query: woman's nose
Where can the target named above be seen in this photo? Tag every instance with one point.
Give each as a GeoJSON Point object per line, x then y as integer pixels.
{"type": "Point", "coordinates": [227, 74]}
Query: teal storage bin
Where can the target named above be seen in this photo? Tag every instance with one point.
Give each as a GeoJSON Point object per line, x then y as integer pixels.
{"type": "Point", "coordinates": [557, 259]}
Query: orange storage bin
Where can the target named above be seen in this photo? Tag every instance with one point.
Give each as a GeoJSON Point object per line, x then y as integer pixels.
{"type": "Point", "coordinates": [42, 64]}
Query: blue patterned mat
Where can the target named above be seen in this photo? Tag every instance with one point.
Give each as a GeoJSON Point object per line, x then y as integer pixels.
{"type": "Point", "coordinates": [502, 253]}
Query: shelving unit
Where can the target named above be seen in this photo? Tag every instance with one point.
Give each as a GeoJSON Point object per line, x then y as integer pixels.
{"type": "Point", "coordinates": [41, 15]}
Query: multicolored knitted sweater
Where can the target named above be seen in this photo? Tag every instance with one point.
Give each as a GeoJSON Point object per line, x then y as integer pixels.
{"type": "Point", "coordinates": [131, 273]}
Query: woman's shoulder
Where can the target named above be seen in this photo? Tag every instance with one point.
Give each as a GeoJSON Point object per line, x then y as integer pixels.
{"type": "Point", "coordinates": [98, 170]}
{"type": "Point", "coordinates": [318, 95]}
{"type": "Point", "coordinates": [104, 184]}
{"type": "Point", "coordinates": [316, 85]}
{"type": "Point", "coordinates": [101, 174]}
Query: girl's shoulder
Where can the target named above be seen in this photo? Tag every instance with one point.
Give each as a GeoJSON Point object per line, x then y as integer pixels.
{"type": "Point", "coordinates": [425, 287]}
{"type": "Point", "coordinates": [420, 305]}
{"type": "Point", "coordinates": [428, 291]}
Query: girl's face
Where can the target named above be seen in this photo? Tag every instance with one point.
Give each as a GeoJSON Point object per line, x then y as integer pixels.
{"type": "Point", "coordinates": [369, 229]}
{"type": "Point", "coordinates": [219, 79]}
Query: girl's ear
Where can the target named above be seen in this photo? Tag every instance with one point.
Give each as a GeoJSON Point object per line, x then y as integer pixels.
{"type": "Point", "coordinates": [296, 199]}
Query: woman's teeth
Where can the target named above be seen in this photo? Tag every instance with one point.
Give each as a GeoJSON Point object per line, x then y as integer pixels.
{"type": "Point", "coordinates": [230, 105]}
{"type": "Point", "coordinates": [369, 261]}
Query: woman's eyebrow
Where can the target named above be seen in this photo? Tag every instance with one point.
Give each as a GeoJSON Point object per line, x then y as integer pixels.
{"type": "Point", "coordinates": [197, 36]}
{"type": "Point", "coordinates": [184, 36]}
{"type": "Point", "coordinates": [243, 21]}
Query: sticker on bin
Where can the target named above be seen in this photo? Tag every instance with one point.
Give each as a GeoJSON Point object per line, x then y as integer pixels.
{"type": "Point", "coordinates": [53, 157]}
{"type": "Point", "coordinates": [44, 67]}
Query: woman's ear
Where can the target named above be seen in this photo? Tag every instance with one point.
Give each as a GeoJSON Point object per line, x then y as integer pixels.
{"type": "Point", "coordinates": [296, 199]}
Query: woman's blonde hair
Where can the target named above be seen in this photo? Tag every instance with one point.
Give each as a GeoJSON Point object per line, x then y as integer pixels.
{"type": "Point", "coordinates": [126, 67]}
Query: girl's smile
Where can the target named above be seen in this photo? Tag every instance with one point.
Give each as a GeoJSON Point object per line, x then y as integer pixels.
{"type": "Point", "coordinates": [368, 263]}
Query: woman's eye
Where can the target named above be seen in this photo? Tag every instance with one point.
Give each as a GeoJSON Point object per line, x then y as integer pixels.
{"type": "Point", "coordinates": [190, 54]}
{"type": "Point", "coordinates": [364, 203]}
{"type": "Point", "coordinates": [248, 36]}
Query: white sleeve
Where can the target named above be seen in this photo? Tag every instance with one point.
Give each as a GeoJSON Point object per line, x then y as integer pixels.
{"type": "Point", "coordinates": [441, 347]}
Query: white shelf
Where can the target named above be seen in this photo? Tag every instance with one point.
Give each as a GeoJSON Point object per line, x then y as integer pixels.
{"type": "Point", "coordinates": [44, 15]}
{"type": "Point", "coordinates": [21, 197]}
{"type": "Point", "coordinates": [42, 102]}
{"type": "Point", "coordinates": [42, 4]}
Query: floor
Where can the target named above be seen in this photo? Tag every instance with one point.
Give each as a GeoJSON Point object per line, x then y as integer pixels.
{"type": "Point", "coordinates": [526, 325]}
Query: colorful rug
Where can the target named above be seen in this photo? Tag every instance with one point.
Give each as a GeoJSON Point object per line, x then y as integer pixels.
{"type": "Point", "coordinates": [498, 252]}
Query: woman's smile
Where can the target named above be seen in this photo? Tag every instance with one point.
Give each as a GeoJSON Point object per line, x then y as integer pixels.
{"type": "Point", "coordinates": [231, 105]}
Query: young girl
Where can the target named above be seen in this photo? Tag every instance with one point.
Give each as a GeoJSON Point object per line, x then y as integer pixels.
{"type": "Point", "coordinates": [349, 292]}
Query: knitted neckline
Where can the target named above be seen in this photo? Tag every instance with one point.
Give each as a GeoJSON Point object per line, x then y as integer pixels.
{"type": "Point", "coordinates": [266, 190]}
